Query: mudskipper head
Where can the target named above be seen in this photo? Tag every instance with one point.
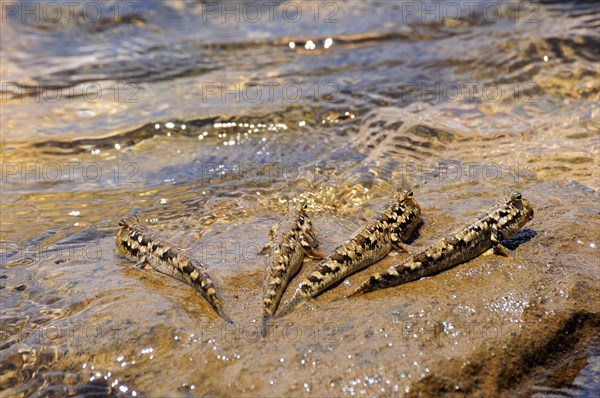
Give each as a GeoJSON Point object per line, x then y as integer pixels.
{"type": "Point", "coordinates": [127, 222]}
{"type": "Point", "coordinates": [302, 206]}
{"type": "Point", "coordinates": [305, 224]}
{"type": "Point", "coordinates": [406, 211]}
{"type": "Point", "coordinates": [296, 209]}
{"type": "Point", "coordinates": [513, 216]}
{"type": "Point", "coordinates": [405, 197]}
{"type": "Point", "coordinates": [125, 225]}
{"type": "Point", "coordinates": [125, 236]}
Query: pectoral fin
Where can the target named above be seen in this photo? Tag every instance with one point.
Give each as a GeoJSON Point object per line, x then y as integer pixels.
{"type": "Point", "coordinates": [501, 250]}
{"type": "Point", "coordinates": [143, 262]}
{"type": "Point", "coordinates": [309, 249]}
{"type": "Point", "coordinates": [402, 247]}
{"type": "Point", "coordinates": [488, 252]}
{"type": "Point", "coordinates": [313, 253]}
{"type": "Point", "coordinates": [496, 245]}
{"type": "Point", "coordinates": [265, 249]}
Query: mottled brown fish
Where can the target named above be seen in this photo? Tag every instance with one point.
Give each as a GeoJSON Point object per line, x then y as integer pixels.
{"type": "Point", "coordinates": [501, 223]}
{"type": "Point", "coordinates": [386, 230]}
{"type": "Point", "coordinates": [135, 241]}
{"type": "Point", "coordinates": [289, 241]}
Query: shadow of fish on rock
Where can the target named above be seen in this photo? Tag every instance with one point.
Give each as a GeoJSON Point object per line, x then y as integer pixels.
{"type": "Point", "coordinates": [524, 236]}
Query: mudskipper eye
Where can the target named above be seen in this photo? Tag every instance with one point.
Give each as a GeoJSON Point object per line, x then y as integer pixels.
{"type": "Point", "coordinates": [121, 224]}
{"type": "Point", "coordinates": [518, 196]}
{"type": "Point", "coordinates": [409, 195]}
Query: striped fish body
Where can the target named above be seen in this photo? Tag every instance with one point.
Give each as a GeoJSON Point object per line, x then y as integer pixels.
{"type": "Point", "coordinates": [503, 222]}
{"type": "Point", "coordinates": [135, 241]}
{"type": "Point", "coordinates": [290, 241]}
{"type": "Point", "coordinates": [387, 229]}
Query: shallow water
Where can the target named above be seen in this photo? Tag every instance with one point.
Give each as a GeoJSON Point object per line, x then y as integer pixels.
{"type": "Point", "coordinates": [207, 129]}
